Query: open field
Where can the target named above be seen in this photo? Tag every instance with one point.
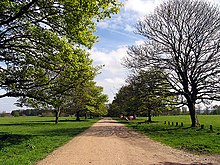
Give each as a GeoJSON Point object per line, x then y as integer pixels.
{"type": "Point", "coordinates": [192, 139]}
{"type": "Point", "coordinates": [24, 140]}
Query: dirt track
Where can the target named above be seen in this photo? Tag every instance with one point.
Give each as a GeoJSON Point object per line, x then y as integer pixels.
{"type": "Point", "coordinates": [110, 143]}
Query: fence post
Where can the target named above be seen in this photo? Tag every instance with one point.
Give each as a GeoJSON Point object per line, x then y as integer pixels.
{"type": "Point", "coordinates": [181, 124]}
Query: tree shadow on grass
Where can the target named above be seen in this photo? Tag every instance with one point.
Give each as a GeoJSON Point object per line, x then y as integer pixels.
{"type": "Point", "coordinates": [160, 128]}
{"type": "Point", "coordinates": [7, 139]}
{"type": "Point", "coordinates": [60, 121]}
{"type": "Point", "coordinates": [63, 132]}
{"type": "Point", "coordinates": [43, 122]}
{"type": "Point", "coordinates": [25, 124]}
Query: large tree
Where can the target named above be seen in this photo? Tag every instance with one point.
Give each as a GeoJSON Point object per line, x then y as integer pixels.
{"type": "Point", "coordinates": [33, 34]}
{"type": "Point", "coordinates": [183, 39]}
{"type": "Point", "coordinates": [87, 98]}
{"type": "Point", "coordinates": [146, 92]}
{"type": "Point", "coordinates": [42, 47]}
{"type": "Point", "coordinates": [152, 92]}
{"type": "Point", "coordinates": [56, 88]}
{"type": "Point", "coordinates": [122, 101]}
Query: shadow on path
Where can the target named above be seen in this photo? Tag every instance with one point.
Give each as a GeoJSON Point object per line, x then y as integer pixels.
{"type": "Point", "coordinates": [173, 163]}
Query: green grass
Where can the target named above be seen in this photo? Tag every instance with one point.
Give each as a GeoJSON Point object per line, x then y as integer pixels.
{"type": "Point", "coordinates": [192, 139]}
{"type": "Point", "coordinates": [25, 140]}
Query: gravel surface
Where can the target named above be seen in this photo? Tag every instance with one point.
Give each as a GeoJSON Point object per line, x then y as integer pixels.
{"type": "Point", "coordinates": [110, 143]}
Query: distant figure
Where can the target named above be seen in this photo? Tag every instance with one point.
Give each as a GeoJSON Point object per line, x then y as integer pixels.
{"type": "Point", "coordinates": [131, 117]}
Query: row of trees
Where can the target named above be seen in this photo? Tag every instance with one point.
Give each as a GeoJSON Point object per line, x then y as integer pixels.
{"type": "Point", "coordinates": [146, 93]}
{"type": "Point", "coordinates": [43, 52]}
{"type": "Point", "coordinates": [216, 110]}
{"type": "Point", "coordinates": [183, 40]}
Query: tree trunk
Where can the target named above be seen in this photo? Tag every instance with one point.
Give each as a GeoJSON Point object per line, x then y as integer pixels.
{"type": "Point", "coordinates": [134, 116]}
{"type": "Point", "coordinates": [77, 116]}
{"type": "Point", "coordinates": [57, 113]}
{"type": "Point", "coordinates": [149, 116]}
{"type": "Point", "coordinates": [90, 115]}
{"type": "Point", "coordinates": [191, 106]}
{"type": "Point", "coordinates": [85, 115]}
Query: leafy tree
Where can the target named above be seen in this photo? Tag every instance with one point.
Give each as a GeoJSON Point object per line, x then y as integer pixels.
{"type": "Point", "coordinates": [73, 19]}
{"type": "Point", "coordinates": [182, 38]}
{"type": "Point", "coordinates": [33, 33]}
{"type": "Point", "coordinates": [87, 98]}
{"type": "Point", "coordinates": [152, 92]}
{"type": "Point", "coordinates": [72, 68]}
{"type": "Point", "coordinates": [41, 47]}
{"type": "Point", "coordinates": [147, 91]}
{"type": "Point", "coordinates": [121, 105]}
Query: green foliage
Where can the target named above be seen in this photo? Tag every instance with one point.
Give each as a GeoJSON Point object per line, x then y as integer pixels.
{"type": "Point", "coordinates": [74, 19]}
{"type": "Point", "coordinates": [25, 140]}
{"type": "Point", "coordinates": [216, 110]}
{"type": "Point", "coordinates": [146, 91]}
{"type": "Point", "coordinates": [191, 139]}
{"type": "Point", "coordinates": [43, 48]}
{"type": "Point", "coordinates": [88, 98]}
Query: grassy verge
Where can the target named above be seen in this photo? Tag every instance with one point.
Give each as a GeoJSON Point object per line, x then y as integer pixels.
{"type": "Point", "coordinates": [192, 139]}
{"type": "Point", "coordinates": [25, 140]}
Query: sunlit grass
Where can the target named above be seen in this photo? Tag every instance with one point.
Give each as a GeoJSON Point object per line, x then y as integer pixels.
{"type": "Point", "coordinates": [25, 140]}
{"type": "Point", "coordinates": [192, 139]}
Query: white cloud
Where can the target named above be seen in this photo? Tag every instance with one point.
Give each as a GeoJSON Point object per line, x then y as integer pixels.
{"type": "Point", "coordinates": [7, 104]}
{"type": "Point", "coordinates": [103, 24]}
{"type": "Point", "coordinates": [139, 42]}
{"type": "Point", "coordinates": [142, 7]}
{"type": "Point", "coordinates": [119, 80]}
{"type": "Point", "coordinates": [110, 85]}
{"type": "Point", "coordinates": [111, 60]}
{"type": "Point", "coordinates": [129, 28]}
{"type": "Point", "coordinates": [215, 1]}
{"type": "Point", "coordinates": [113, 74]}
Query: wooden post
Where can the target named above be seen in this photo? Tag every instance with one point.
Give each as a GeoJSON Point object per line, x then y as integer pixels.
{"type": "Point", "coordinates": [172, 123]}
{"type": "Point", "coordinates": [165, 122]}
{"type": "Point", "coordinates": [168, 123]}
{"type": "Point", "coordinates": [202, 126]}
{"type": "Point", "coordinates": [181, 124]}
{"type": "Point", "coordinates": [211, 128]}
{"type": "Point", "coordinates": [176, 123]}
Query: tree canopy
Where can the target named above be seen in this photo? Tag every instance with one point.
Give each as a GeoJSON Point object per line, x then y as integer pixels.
{"type": "Point", "coordinates": [146, 92]}
{"type": "Point", "coordinates": [34, 34]}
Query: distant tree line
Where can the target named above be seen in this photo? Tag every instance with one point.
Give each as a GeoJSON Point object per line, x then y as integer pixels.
{"type": "Point", "coordinates": [216, 110]}
{"type": "Point", "coordinates": [50, 113]}
{"type": "Point", "coordinates": [32, 112]}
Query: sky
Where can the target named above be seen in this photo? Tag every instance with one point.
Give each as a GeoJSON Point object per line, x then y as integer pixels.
{"type": "Point", "coordinates": [115, 35]}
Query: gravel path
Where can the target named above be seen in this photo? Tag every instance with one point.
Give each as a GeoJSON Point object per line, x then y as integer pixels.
{"type": "Point", "coordinates": [110, 143]}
